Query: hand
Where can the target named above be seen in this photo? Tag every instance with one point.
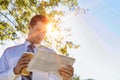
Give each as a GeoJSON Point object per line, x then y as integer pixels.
{"type": "Point", "coordinates": [66, 72]}
{"type": "Point", "coordinates": [22, 63]}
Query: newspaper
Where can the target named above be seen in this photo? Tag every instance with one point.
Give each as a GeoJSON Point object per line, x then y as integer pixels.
{"type": "Point", "coordinates": [49, 61]}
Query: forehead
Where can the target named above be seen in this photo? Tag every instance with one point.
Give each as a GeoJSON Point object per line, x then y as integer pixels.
{"type": "Point", "coordinates": [40, 25]}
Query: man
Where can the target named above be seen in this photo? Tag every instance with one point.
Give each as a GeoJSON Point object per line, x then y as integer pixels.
{"type": "Point", "coordinates": [14, 59]}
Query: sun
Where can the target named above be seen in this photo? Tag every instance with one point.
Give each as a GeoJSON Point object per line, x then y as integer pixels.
{"type": "Point", "coordinates": [50, 28]}
{"type": "Point", "coordinates": [52, 31]}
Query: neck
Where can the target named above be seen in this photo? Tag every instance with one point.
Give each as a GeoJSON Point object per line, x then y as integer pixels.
{"type": "Point", "coordinates": [32, 41]}
{"type": "Point", "coordinates": [28, 40]}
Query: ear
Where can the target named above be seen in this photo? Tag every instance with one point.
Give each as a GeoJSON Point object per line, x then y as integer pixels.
{"type": "Point", "coordinates": [30, 27]}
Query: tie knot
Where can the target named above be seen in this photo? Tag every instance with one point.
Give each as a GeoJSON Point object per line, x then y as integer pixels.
{"type": "Point", "coordinates": [30, 48]}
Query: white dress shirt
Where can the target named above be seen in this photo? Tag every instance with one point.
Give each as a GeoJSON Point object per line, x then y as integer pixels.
{"type": "Point", "coordinates": [10, 58]}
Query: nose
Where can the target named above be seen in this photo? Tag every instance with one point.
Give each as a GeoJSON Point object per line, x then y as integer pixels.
{"type": "Point", "coordinates": [40, 35]}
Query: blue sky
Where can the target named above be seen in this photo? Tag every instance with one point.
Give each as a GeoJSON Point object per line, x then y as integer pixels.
{"type": "Point", "coordinates": [99, 36]}
{"type": "Point", "coordinates": [107, 11]}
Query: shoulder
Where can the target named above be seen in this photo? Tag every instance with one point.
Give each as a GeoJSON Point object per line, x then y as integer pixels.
{"type": "Point", "coordinates": [12, 48]}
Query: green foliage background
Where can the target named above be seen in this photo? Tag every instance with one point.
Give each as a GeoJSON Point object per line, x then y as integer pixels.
{"type": "Point", "coordinates": [16, 14]}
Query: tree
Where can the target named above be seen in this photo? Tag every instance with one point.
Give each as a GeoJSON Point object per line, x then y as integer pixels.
{"type": "Point", "coordinates": [20, 11]}
{"type": "Point", "coordinates": [16, 14]}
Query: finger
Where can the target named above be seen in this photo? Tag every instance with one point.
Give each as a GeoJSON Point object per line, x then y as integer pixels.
{"type": "Point", "coordinates": [67, 72]}
{"type": "Point", "coordinates": [23, 62]}
{"type": "Point", "coordinates": [25, 55]}
{"type": "Point", "coordinates": [23, 66]}
{"type": "Point", "coordinates": [25, 59]}
{"type": "Point", "coordinates": [69, 67]}
{"type": "Point", "coordinates": [64, 74]}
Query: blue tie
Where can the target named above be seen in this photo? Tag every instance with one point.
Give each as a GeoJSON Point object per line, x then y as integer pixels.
{"type": "Point", "coordinates": [30, 48]}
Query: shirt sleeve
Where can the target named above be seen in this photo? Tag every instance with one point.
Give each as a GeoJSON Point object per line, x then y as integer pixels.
{"type": "Point", "coordinates": [52, 76]}
{"type": "Point", "coordinates": [6, 73]}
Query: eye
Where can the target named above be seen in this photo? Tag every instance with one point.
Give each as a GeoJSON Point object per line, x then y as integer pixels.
{"type": "Point", "coordinates": [38, 30]}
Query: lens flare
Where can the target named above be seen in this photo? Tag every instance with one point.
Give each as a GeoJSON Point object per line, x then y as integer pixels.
{"type": "Point", "coordinates": [49, 27]}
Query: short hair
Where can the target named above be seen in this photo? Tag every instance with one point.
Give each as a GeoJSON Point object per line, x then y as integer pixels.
{"type": "Point", "coordinates": [37, 18]}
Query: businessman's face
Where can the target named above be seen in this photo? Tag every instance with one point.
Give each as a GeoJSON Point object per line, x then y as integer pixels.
{"type": "Point", "coordinates": [37, 32]}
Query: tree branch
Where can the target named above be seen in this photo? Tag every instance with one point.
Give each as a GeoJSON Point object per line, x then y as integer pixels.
{"type": "Point", "coordinates": [7, 18]}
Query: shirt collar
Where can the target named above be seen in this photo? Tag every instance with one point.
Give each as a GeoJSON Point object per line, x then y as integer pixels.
{"type": "Point", "coordinates": [27, 43]}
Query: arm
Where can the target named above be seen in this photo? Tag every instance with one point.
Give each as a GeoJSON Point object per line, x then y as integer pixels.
{"type": "Point", "coordinates": [6, 73]}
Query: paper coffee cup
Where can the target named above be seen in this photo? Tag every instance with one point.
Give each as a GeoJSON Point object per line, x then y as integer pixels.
{"type": "Point", "coordinates": [24, 70]}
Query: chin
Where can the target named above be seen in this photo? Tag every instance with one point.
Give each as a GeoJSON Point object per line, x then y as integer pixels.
{"type": "Point", "coordinates": [37, 42]}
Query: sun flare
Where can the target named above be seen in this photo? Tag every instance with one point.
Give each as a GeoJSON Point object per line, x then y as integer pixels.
{"type": "Point", "coordinates": [50, 28]}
